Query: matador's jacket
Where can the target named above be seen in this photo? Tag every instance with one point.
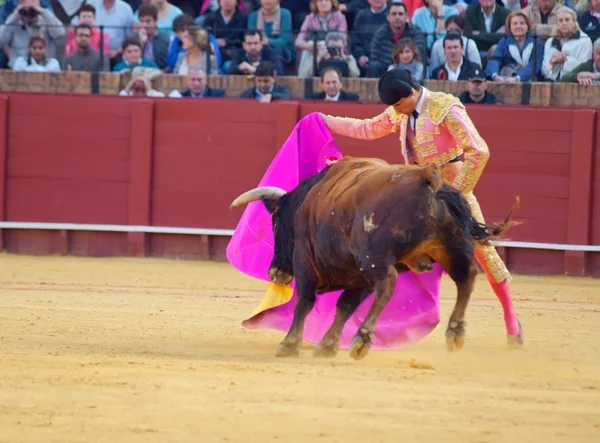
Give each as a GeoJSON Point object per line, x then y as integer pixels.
{"type": "Point", "coordinates": [443, 134]}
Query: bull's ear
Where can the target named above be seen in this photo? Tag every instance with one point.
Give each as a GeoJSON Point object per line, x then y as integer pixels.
{"type": "Point", "coordinates": [271, 203]}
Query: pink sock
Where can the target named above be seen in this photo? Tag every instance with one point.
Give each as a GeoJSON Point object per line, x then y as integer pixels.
{"type": "Point", "coordinates": [510, 317]}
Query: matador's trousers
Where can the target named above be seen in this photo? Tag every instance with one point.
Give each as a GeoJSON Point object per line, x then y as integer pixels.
{"type": "Point", "coordinates": [486, 256]}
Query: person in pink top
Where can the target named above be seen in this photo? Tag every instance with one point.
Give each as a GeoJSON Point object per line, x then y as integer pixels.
{"type": "Point", "coordinates": [434, 127]}
{"type": "Point", "coordinates": [86, 14]}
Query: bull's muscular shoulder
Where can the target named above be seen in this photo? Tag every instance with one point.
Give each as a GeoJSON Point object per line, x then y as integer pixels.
{"type": "Point", "coordinates": [440, 105]}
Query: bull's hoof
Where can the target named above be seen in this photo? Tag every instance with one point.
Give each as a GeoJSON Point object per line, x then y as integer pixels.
{"type": "Point", "coordinates": [286, 349]}
{"type": "Point", "coordinates": [325, 350]}
{"type": "Point", "coordinates": [455, 336]}
{"type": "Point", "coordinates": [360, 345]}
{"type": "Point", "coordinates": [516, 341]}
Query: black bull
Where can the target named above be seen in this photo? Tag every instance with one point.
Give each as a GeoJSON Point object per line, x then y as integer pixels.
{"type": "Point", "coordinates": [354, 227]}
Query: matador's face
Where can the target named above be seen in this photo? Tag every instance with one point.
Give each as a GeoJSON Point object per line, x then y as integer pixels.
{"type": "Point", "coordinates": [408, 104]}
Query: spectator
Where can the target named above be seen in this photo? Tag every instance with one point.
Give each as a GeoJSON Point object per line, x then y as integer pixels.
{"type": "Point", "coordinates": [198, 86]}
{"type": "Point", "coordinates": [266, 88]}
{"type": "Point", "coordinates": [324, 17]}
{"type": "Point", "coordinates": [431, 19]}
{"type": "Point", "coordinates": [299, 10]}
{"type": "Point", "coordinates": [542, 15]}
{"type": "Point", "coordinates": [456, 67]}
{"type": "Point", "coordinates": [456, 24]}
{"type": "Point", "coordinates": [197, 52]}
{"type": "Point", "coordinates": [132, 56]}
{"type": "Point", "coordinates": [331, 83]}
{"type": "Point", "coordinates": [567, 47]}
{"type": "Point", "coordinates": [155, 43]}
{"type": "Point", "coordinates": [85, 58]}
{"type": "Point", "coordinates": [588, 72]}
{"type": "Point", "coordinates": [589, 20]}
{"type": "Point", "coordinates": [36, 59]}
{"type": "Point", "coordinates": [227, 24]}
{"type": "Point", "coordinates": [350, 8]}
{"type": "Point", "coordinates": [332, 53]}
{"type": "Point", "coordinates": [208, 6]}
{"type": "Point", "coordinates": [485, 23]}
{"type": "Point", "coordinates": [513, 58]}
{"type": "Point", "coordinates": [29, 19]}
{"type": "Point", "coordinates": [406, 55]}
{"type": "Point", "coordinates": [513, 5]}
{"type": "Point", "coordinates": [276, 24]}
{"type": "Point", "coordinates": [166, 14]}
{"type": "Point", "coordinates": [387, 36]}
{"type": "Point", "coordinates": [140, 87]}
{"type": "Point", "coordinates": [87, 15]}
{"type": "Point", "coordinates": [477, 90]}
{"type": "Point", "coordinates": [366, 23]}
{"type": "Point", "coordinates": [253, 52]}
{"type": "Point", "coordinates": [117, 18]}
{"type": "Point", "coordinates": [180, 26]}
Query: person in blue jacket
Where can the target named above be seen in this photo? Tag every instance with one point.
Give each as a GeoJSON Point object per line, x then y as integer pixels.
{"type": "Point", "coordinates": [514, 57]}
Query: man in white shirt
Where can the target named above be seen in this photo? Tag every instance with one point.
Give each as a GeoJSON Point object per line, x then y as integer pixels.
{"type": "Point", "coordinates": [456, 66]}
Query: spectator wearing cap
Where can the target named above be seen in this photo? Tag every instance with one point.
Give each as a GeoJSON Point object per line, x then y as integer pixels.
{"type": "Point", "coordinates": [331, 83]}
{"type": "Point", "coordinates": [456, 66]}
{"type": "Point", "coordinates": [477, 90]}
{"type": "Point", "coordinates": [266, 88]}
{"type": "Point", "coordinates": [513, 58]}
{"type": "Point", "coordinates": [455, 24]}
{"type": "Point", "coordinates": [366, 23]}
{"type": "Point", "coordinates": [431, 19]}
{"type": "Point", "coordinates": [386, 37]}
{"type": "Point", "coordinates": [485, 23]}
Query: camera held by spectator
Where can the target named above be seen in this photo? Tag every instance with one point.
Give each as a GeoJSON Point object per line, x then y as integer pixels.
{"type": "Point", "coordinates": [332, 53]}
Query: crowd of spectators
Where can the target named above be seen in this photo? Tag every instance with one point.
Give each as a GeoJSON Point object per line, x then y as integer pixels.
{"type": "Point", "coordinates": [480, 41]}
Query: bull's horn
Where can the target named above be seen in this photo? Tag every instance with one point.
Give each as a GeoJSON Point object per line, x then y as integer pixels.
{"type": "Point", "coordinates": [257, 194]}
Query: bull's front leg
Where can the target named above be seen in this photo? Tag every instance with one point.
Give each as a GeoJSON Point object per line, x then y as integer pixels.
{"type": "Point", "coordinates": [463, 272]}
{"type": "Point", "coordinates": [384, 288]}
{"type": "Point", "coordinates": [305, 300]}
{"type": "Point", "coordinates": [347, 304]}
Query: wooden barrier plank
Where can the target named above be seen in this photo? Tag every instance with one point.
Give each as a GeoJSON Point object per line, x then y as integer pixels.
{"type": "Point", "coordinates": [140, 182]}
{"type": "Point", "coordinates": [580, 190]}
{"type": "Point", "coordinates": [3, 160]}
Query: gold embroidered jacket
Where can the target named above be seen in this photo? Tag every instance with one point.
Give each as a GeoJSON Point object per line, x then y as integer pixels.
{"type": "Point", "coordinates": [443, 132]}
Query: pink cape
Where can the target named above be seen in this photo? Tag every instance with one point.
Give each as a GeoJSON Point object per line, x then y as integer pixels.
{"type": "Point", "coordinates": [412, 313]}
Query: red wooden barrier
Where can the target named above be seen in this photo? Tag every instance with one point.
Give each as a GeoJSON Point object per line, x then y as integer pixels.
{"type": "Point", "coordinates": [164, 162]}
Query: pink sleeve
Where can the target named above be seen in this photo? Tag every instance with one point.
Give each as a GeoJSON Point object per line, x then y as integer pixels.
{"type": "Point", "coordinates": [301, 38]}
{"type": "Point", "coordinates": [475, 149]}
{"type": "Point", "coordinates": [367, 129]}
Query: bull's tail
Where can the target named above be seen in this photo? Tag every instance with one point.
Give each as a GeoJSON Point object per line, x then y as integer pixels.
{"type": "Point", "coordinates": [460, 211]}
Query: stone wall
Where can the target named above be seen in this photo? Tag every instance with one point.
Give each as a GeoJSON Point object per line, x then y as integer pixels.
{"type": "Point", "coordinates": [539, 94]}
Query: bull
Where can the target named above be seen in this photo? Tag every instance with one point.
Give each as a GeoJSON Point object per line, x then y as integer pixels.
{"type": "Point", "coordinates": [354, 227]}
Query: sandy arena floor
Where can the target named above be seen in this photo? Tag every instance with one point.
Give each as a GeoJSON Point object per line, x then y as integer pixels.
{"type": "Point", "coordinates": [128, 350]}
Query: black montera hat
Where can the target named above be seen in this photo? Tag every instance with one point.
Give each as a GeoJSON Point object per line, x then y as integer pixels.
{"type": "Point", "coordinates": [394, 85]}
